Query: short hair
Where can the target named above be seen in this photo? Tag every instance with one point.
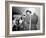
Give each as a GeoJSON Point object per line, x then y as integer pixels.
{"type": "Point", "coordinates": [28, 11]}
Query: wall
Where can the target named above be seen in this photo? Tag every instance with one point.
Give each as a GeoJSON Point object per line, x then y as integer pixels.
{"type": "Point", "coordinates": [2, 19]}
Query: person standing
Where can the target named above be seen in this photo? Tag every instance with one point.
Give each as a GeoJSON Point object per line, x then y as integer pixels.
{"type": "Point", "coordinates": [28, 20]}
{"type": "Point", "coordinates": [34, 20]}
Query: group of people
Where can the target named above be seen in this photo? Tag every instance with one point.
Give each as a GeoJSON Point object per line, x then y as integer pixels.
{"type": "Point", "coordinates": [26, 22]}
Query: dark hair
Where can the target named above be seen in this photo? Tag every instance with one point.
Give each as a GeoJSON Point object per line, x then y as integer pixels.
{"type": "Point", "coordinates": [28, 11]}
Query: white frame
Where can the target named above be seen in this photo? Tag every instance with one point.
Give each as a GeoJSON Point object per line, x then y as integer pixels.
{"type": "Point", "coordinates": [23, 32]}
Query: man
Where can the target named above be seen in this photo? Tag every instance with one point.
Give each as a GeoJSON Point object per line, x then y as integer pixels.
{"type": "Point", "coordinates": [28, 20]}
{"type": "Point", "coordinates": [31, 20]}
{"type": "Point", "coordinates": [34, 20]}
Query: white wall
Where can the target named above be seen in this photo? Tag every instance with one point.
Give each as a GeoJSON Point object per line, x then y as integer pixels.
{"type": "Point", "coordinates": [2, 19]}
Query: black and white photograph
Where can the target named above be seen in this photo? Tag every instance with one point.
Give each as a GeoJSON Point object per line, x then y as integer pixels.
{"type": "Point", "coordinates": [25, 18]}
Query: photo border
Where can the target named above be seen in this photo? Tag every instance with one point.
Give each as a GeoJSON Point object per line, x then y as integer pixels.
{"type": "Point", "coordinates": [7, 14]}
